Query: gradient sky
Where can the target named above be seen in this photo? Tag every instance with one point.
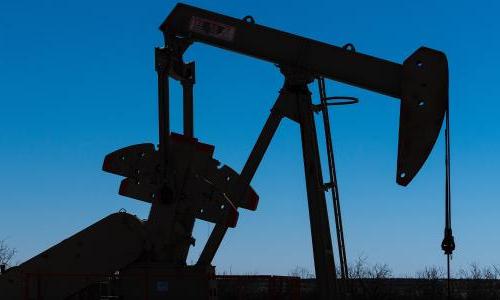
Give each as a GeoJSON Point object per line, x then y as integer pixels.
{"type": "Point", "coordinates": [77, 81]}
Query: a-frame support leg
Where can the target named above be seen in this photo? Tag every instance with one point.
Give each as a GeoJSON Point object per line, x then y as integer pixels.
{"type": "Point", "coordinates": [294, 103]}
{"type": "Point", "coordinates": [318, 214]}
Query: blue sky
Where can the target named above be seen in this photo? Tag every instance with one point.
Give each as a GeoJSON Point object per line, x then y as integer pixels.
{"type": "Point", "coordinates": [77, 81]}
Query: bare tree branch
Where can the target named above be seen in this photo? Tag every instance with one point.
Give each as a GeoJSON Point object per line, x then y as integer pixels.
{"type": "Point", "coordinates": [431, 273]}
{"type": "Point", "coordinates": [301, 272]}
{"type": "Point", "coordinates": [6, 253]}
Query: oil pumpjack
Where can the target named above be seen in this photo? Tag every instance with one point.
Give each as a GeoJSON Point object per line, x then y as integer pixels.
{"type": "Point", "coordinates": [183, 182]}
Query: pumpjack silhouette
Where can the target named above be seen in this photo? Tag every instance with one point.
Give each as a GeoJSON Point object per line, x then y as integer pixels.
{"type": "Point", "coordinates": [183, 182]}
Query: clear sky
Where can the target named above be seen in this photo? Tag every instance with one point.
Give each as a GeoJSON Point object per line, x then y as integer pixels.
{"type": "Point", "coordinates": [77, 81]}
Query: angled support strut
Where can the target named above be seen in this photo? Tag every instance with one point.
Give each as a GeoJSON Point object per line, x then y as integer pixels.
{"type": "Point", "coordinates": [294, 102]}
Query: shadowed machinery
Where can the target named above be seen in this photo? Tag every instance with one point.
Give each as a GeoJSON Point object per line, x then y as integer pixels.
{"type": "Point", "coordinates": [183, 181]}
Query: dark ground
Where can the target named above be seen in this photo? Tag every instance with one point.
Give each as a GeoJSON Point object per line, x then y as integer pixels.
{"type": "Point", "coordinates": [260, 287]}
{"type": "Point", "coordinates": [294, 288]}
